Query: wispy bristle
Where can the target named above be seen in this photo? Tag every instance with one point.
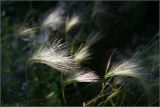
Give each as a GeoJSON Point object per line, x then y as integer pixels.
{"type": "Point", "coordinates": [127, 68]}
{"type": "Point", "coordinates": [71, 22]}
{"type": "Point", "coordinates": [93, 38]}
{"type": "Point", "coordinates": [82, 54]}
{"type": "Point", "coordinates": [85, 77]}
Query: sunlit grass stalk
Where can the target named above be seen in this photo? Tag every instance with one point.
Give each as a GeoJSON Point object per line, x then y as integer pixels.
{"type": "Point", "coordinates": [114, 93]}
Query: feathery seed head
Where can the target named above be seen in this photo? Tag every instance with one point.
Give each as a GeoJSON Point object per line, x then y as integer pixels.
{"type": "Point", "coordinates": [85, 76]}
{"type": "Point", "coordinates": [126, 68]}
{"type": "Point", "coordinates": [82, 54]}
{"type": "Point", "coordinates": [27, 33]}
{"type": "Point", "coordinates": [71, 22]}
{"type": "Point", "coordinates": [93, 38]}
{"type": "Point", "coordinates": [55, 56]}
{"type": "Point", "coordinates": [54, 19]}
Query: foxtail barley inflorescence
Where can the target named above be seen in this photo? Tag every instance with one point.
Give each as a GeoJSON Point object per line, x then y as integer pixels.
{"type": "Point", "coordinates": [83, 53]}
{"type": "Point", "coordinates": [127, 68]}
{"type": "Point", "coordinates": [55, 19]}
{"type": "Point", "coordinates": [71, 22]}
{"type": "Point", "coordinates": [86, 77]}
{"type": "Point", "coordinates": [57, 56]}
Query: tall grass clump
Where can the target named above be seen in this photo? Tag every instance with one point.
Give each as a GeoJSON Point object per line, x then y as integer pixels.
{"type": "Point", "coordinates": [65, 44]}
{"type": "Point", "coordinates": [56, 56]}
{"type": "Point", "coordinates": [119, 75]}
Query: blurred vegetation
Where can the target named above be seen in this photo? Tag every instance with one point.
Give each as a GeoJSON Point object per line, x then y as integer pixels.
{"type": "Point", "coordinates": [127, 26]}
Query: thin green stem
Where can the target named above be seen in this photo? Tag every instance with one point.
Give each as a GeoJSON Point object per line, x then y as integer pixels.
{"type": "Point", "coordinates": [62, 89]}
